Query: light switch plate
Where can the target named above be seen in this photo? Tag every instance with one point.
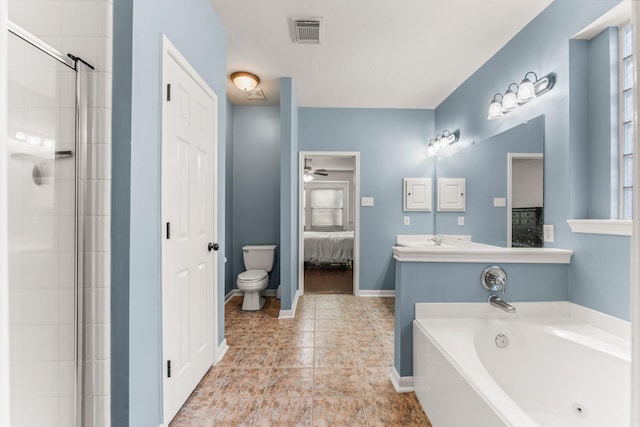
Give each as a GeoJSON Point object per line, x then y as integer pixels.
{"type": "Point", "coordinates": [548, 232]}
{"type": "Point", "coordinates": [460, 220]}
{"type": "Point", "coordinates": [499, 202]}
{"type": "Point", "coordinates": [367, 201]}
{"type": "Point", "coordinates": [407, 220]}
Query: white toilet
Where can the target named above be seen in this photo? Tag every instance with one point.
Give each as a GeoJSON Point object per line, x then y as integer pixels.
{"type": "Point", "coordinates": [258, 260]}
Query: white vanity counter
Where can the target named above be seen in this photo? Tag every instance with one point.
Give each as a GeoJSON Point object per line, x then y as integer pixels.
{"type": "Point", "coordinates": [424, 248]}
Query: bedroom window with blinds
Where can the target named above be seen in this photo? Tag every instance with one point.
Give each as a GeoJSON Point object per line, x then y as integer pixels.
{"type": "Point", "coordinates": [327, 208]}
{"type": "Point", "coordinates": [626, 121]}
{"type": "Point", "coordinates": [328, 205]}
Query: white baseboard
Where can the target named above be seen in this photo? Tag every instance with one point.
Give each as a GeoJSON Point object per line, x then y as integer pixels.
{"type": "Point", "coordinates": [238, 293]}
{"type": "Point", "coordinates": [222, 350]}
{"type": "Point", "coordinates": [401, 384]}
{"type": "Point", "coordinates": [290, 314]}
{"type": "Point", "coordinates": [385, 293]}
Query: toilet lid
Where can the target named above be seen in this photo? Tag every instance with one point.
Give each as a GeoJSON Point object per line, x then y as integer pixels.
{"type": "Point", "coordinates": [252, 275]}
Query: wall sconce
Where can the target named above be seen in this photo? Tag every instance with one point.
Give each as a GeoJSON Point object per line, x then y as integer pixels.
{"type": "Point", "coordinates": [442, 141]}
{"type": "Point", "coordinates": [308, 176]}
{"type": "Point", "coordinates": [519, 94]}
{"type": "Point", "coordinates": [245, 80]}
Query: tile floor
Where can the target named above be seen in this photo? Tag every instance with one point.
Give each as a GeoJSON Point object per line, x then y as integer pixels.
{"type": "Point", "coordinates": [327, 367]}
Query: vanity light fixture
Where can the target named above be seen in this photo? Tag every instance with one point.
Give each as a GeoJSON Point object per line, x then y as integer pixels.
{"type": "Point", "coordinates": [510, 99]}
{"type": "Point", "coordinates": [245, 80]}
{"type": "Point", "coordinates": [526, 91]}
{"type": "Point", "coordinates": [519, 94]}
{"type": "Point", "coordinates": [442, 141]}
{"type": "Point", "coordinates": [495, 107]}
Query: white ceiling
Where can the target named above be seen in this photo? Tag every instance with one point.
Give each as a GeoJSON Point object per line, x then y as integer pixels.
{"type": "Point", "coordinates": [375, 53]}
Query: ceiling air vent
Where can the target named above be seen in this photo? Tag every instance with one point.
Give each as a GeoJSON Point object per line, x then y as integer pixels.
{"type": "Point", "coordinates": [253, 94]}
{"type": "Point", "coordinates": [306, 30]}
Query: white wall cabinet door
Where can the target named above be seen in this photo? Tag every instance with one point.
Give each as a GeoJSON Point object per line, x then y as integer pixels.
{"type": "Point", "coordinates": [417, 194]}
{"type": "Point", "coordinates": [451, 194]}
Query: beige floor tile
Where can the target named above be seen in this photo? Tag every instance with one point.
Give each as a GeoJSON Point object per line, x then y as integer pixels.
{"type": "Point", "coordinates": [338, 411]}
{"type": "Point", "coordinates": [231, 411]}
{"type": "Point", "coordinates": [329, 382]}
{"type": "Point", "coordinates": [290, 382]}
{"type": "Point", "coordinates": [294, 357]}
{"type": "Point", "coordinates": [295, 412]}
{"type": "Point", "coordinates": [244, 382]}
{"type": "Point", "coordinates": [296, 339]}
{"type": "Point", "coordinates": [327, 367]}
{"type": "Point", "coordinates": [375, 381]}
{"type": "Point", "coordinates": [255, 357]}
{"type": "Point", "coordinates": [395, 410]}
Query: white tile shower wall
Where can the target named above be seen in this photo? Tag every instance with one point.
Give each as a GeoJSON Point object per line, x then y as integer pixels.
{"type": "Point", "coordinates": [84, 28]}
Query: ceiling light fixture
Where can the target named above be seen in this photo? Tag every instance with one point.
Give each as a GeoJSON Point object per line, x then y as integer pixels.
{"type": "Point", "coordinates": [245, 80]}
{"type": "Point", "coordinates": [524, 92]}
{"type": "Point", "coordinates": [442, 141]}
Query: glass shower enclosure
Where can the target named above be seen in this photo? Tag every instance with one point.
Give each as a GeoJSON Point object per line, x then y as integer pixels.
{"type": "Point", "coordinates": [46, 143]}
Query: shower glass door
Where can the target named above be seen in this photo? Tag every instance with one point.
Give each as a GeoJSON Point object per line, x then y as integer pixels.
{"type": "Point", "coordinates": [42, 237]}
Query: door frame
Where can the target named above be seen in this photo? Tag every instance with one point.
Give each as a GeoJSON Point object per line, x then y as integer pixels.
{"type": "Point", "coordinates": [510, 158]}
{"type": "Point", "coordinates": [356, 214]}
{"type": "Point", "coordinates": [171, 53]}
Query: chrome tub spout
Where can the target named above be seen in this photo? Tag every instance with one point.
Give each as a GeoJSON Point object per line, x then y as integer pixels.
{"type": "Point", "coordinates": [498, 302]}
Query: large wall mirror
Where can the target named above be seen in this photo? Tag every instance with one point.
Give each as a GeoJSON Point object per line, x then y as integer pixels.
{"type": "Point", "coordinates": [504, 178]}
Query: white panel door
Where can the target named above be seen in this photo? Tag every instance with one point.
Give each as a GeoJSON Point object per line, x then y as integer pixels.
{"type": "Point", "coordinates": [188, 217]}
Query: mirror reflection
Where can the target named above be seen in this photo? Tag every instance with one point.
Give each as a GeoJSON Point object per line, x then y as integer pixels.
{"type": "Point", "coordinates": [503, 194]}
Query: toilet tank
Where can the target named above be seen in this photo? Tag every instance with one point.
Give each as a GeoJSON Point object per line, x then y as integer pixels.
{"type": "Point", "coordinates": [259, 257]}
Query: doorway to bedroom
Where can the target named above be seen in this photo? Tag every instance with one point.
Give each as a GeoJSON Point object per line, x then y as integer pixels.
{"type": "Point", "coordinates": [329, 219]}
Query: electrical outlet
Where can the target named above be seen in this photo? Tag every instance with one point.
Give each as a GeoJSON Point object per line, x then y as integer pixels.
{"type": "Point", "coordinates": [499, 202]}
{"type": "Point", "coordinates": [460, 220]}
{"type": "Point", "coordinates": [407, 220]}
{"type": "Point", "coordinates": [367, 201]}
{"type": "Point", "coordinates": [548, 232]}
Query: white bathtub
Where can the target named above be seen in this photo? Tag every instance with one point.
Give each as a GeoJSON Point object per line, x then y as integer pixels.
{"type": "Point", "coordinates": [558, 369]}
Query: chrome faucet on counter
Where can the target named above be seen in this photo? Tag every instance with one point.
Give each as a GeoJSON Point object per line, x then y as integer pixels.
{"type": "Point", "coordinates": [498, 302]}
{"type": "Point", "coordinates": [437, 241]}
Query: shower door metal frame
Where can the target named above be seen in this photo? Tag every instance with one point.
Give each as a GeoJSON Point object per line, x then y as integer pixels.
{"type": "Point", "coordinates": [81, 69]}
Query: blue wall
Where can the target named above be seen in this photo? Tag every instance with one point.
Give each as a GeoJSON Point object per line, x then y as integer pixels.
{"type": "Point", "coordinates": [601, 273]}
{"type": "Point", "coordinates": [418, 282]}
{"type": "Point", "coordinates": [288, 193]}
{"type": "Point", "coordinates": [544, 46]}
{"type": "Point", "coordinates": [256, 185]}
{"type": "Point", "coordinates": [603, 125]}
{"type": "Point", "coordinates": [229, 280]}
{"type": "Point", "coordinates": [484, 166]}
{"type": "Point", "coordinates": [138, 28]}
{"type": "Point", "coordinates": [392, 146]}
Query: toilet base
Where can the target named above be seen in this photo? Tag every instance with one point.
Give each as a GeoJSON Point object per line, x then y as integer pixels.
{"type": "Point", "coordinates": [252, 301]}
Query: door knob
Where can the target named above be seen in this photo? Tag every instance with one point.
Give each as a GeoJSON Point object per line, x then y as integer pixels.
{"type": "Point", "coordinates": [213, 247]}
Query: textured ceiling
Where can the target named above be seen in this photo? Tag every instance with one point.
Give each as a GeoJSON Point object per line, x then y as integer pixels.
{"type": "Point", "coordinates": [375, 53]}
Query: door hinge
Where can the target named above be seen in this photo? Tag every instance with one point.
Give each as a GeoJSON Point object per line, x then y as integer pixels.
{"type": "Point", "coordinates": [168, 368]}
{"type": "Point", "coordinates": [168, 91]}
{"type": "Point", "coordinates": [168, 230]}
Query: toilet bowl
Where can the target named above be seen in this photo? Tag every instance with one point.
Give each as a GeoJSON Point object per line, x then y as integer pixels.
{"type": "Point", "coordinates": [258, 260]}
{"type": "Point", "coordinates": [252, 282]}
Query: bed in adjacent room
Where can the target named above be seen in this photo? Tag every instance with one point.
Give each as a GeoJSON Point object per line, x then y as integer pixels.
{"type": "Point", "coordinates": [328, 247]}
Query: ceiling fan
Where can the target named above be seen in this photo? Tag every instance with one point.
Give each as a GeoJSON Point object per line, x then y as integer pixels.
{"type": "Point", "coordinates": [309, 172]}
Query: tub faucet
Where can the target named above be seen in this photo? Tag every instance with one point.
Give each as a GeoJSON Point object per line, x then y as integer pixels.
{"type": "Point", "coordinates": [498, 302]}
